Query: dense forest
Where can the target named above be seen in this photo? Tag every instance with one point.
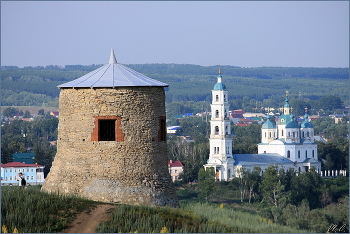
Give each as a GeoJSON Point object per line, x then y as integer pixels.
{"type": "Point", "coordinates": [262, 86]}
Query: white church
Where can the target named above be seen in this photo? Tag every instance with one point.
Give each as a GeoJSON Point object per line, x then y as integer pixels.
{"type": "Point", "coordinates": [286, 144]}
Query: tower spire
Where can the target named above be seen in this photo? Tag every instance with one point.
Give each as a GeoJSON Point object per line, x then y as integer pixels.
{"type": "Point", "coordinates": [112, 59]}
{"type": "Point", "coordinates": [219, 75]}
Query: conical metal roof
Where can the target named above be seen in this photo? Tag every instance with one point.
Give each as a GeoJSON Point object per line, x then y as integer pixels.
{"type": "Point", "coordinates": [112, 74]}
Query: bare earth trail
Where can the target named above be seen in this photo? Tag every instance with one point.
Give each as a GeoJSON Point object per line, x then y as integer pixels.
{"type": "Point", "coordinates": [86, 222]}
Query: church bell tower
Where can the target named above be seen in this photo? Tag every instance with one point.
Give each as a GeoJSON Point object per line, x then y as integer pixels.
{"type": "Point", "coordinates": [220, 140]}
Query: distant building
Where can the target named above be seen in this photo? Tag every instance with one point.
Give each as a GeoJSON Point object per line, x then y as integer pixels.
{"type": "Point", "coordinates": [172, 129]}
{"type": "Point", "coordinates": [175, 168]}
{"type": "Point", "coordinates": [33, 173]}
{"type": "Point", "coordinates": [27, 158]}
{"type": "Point", "coordinates": [285, 144]}
{"type": "Point", "coordinates": [54, 114]}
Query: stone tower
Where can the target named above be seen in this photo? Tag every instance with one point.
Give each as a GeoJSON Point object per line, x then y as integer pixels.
{"type": "Point", "coordinates": [112, 139]}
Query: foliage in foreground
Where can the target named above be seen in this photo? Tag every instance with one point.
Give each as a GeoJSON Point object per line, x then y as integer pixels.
{"type": "Point", "coordinates": [193, 218]}
{"type": "Point", "coordinates": [33, 211]}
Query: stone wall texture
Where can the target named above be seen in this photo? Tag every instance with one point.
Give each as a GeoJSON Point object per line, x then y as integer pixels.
{"type": "Point", "coordinates": [132, 169]}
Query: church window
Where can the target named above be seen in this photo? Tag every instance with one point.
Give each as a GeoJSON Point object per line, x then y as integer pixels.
{"type": "Point", "coordinates": [305, 153]}
{"type": "Point", "coordinates": [270, 134]}
{"type": "Point", "coordinates": [282, 132]}
{"type": "Point", "coordinates": [299, 170]}
{"type": "Point", "coordinates": [265, 134]}
{"type": "Point", "coordinates": [288, 134]}
{"type": "Point", "coordinates": [218, 149]}
{"type": "Point", "coordinates": [226, 131]}
{"type": "Point", "coordinates": [216, 130]}
{"type": "Point", "coordinates": [307, 134]}
{"type": "Point", "coordinates": [303, 135]}
{"type": "Point", "coordinates": [298, 153]}
{"type": "Point", "coordinates": [313, 153]}
{"type": "Point", "coordinates": [225, 98]}
{"type": "Point", "coordinates": [107, 128]}
{"type": "Point", "coordinates": [288, 154]}
{"type": "Point", "coordinates": [216, 114]}
{"type": "Point", "coordinates": [217, 98]}
{"type": "Point", "coordinates": [293, 134]}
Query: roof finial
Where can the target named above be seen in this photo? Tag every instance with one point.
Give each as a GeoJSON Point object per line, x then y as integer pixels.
{"type": "Point", "coordinates": [219, 70]}
{"type": "Point", "coordinates": [112, 58]}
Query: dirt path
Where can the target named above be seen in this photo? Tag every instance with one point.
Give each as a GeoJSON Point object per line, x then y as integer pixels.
{"type": "Point", "coordinates": [86, 223]}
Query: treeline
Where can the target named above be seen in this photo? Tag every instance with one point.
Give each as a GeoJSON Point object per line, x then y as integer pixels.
{"type": "Point", "coordinates": [192, 82]}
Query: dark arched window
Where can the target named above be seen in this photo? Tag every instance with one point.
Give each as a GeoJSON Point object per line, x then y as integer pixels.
{"type": "Point", "coordinates": [216, 130]}
{"type": "Point", "coordinates": [217, 98]}
{"type": "Point", "coordinates": [288, 154]}
{"type": "Point", "coordinates": [216, 114]}
{"type": "Point", "coordinates": [313, 153]}
{"type": "Point", "coordinates": [305, 153]}
{"type": "Point", "coordinates": [298, 153]}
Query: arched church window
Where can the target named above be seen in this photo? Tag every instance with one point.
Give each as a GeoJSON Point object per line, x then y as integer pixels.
{"type": "Point", "coordinates": [298, 153]}
{"type": "Point", "coordinates": [226, 130]}
{"type": "Point", "coordinates": [293, 134]}
{"type": "Point", "coordinates": [270, 134]}
{"type": "Point", "coordinates": [305, 153]}
{"type": "Point", "coordinates": [303, 135]}
{"type": "Point", "coordinates": [313, 153]}
{"type": "Point", "coordinates": [217, 98]}
{"type": "Point", "coordinates": [225, 98]}
{"type": "Point", "coordinates": [218, 149]}
{"type": "Point", "coordinates": [288, 134]}
{"type": "Point", "coordinates": [288, 154]}
{"type": "Point", "coordinates": [216, 130]}
{"type": "Point", "coordinates": [265, 134]}
{"type": "Point", "coordinates": [216, 114]}
{"type": "Point", "coordinates": [282, 132]}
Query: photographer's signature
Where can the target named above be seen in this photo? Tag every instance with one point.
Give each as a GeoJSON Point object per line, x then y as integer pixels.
{"type": "Point", "coordinates": [335, 228]}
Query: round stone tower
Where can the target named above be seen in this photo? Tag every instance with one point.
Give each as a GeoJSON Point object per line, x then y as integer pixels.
{"type": "Point", "coordinates": [112, 139]}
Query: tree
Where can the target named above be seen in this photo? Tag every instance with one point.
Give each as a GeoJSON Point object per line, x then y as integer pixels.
{"type": "Point", "coordinates": [271, 186]}
{"type": "Point", "coordinates": [206, 182]}
{"type": "Point", "coordinates": [307, 185]}
{"type": "Point", "coordinates": [10, 112]}
{"type": "Point", "coordinates": [253, 182]}
{"type": "Point", "coordinates": [41, 112]}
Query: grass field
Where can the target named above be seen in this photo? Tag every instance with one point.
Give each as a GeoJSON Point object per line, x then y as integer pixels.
{"type": "Point", "coordinates": [30, 210]}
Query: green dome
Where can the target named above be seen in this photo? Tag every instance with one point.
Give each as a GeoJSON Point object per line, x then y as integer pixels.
{"type": "Point", "coordinates": [284, 119]}
{"type": "Point", "coordinates": [219, 86]}
{"type": "Point", "coordinates": [292, 123]}
{"type": "Point", "coordinates": [268, 124]}
{"type": "Point", "coordinates": [306, 123]}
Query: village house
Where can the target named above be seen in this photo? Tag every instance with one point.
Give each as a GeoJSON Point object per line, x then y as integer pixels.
{"type": "Point", "coordinates": [175, 168]}
{"type": "Point", "coordinates": [33, 173]}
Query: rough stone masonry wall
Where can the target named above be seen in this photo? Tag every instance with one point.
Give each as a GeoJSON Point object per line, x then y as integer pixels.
{"type": "Point", "coordinates": [133, 171]}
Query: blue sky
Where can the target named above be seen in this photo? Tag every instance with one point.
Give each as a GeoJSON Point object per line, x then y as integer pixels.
{"type": "Point", "coordinates": [245, 34]}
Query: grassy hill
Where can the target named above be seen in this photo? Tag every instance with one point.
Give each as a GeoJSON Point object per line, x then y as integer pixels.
{"type": "Point", "coordinates": [32, 211]}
